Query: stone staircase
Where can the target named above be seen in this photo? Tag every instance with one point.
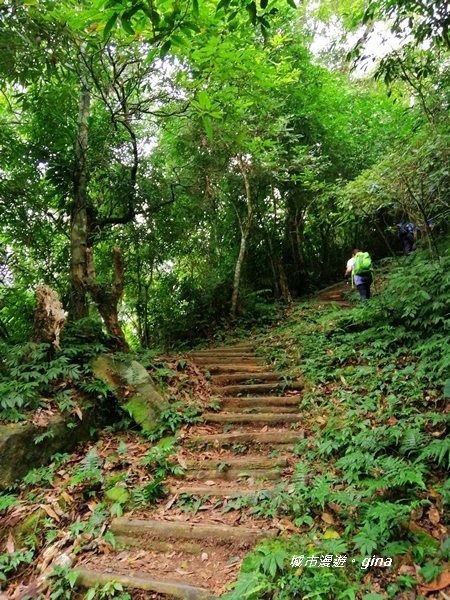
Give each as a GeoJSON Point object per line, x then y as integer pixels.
{"type": "Point", "coordinates": [242, 448]}
{"type": "Point", "coordinates": [335, 294]}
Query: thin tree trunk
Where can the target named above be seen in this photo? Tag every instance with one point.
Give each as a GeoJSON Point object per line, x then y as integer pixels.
{"type": "Point", "coordinates": [245, 232]}
{"type": "Point", "coordinates": [78, 214]}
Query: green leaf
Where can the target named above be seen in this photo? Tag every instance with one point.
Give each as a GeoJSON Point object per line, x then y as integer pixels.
{"type": "Point", "coordinates": [195, 7]}
{"type": "Point", "coordinates": [91, 594]}
{"type": "Point", "coordinates": [109, 25]}
{"type": "Point", "coordinates": [208, 128]}
{"type": "Point", "coordinates": [203, 100]}
{"type": "Point", "coordinates": [127, 26]}
{"type": "Point", "coordinates": [222, 4]}
{"type": "Point", "coordinates": [165, 49]}
{"type": "Point", "coordinates": [447, 389]}
{"type": "Point", "coordinates": [291, 3]}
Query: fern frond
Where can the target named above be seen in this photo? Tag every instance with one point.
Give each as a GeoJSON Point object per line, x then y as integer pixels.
{"type": "Point", "coordinates": [412, 441]}
{"type": "Point", "coordinates": [439, 451]}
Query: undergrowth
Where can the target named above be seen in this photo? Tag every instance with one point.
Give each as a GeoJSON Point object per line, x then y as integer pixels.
{"type": "Point", "coordinates": [371, 479]}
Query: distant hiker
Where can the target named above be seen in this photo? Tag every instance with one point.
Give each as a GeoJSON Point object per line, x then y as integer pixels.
{"type": "Point", "coordinates": [359, 266]}
{"type": "Point", "coordinates": [405, 232]}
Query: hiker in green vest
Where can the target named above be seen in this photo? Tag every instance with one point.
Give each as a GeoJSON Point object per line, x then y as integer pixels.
{"type": "Point", "coordinates": [359, 266]}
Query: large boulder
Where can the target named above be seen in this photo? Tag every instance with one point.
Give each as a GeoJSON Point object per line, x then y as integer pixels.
{"type": "Point", "coordinates": [133, 387]}
{"type": "Point", "coordinates": [25, 446]}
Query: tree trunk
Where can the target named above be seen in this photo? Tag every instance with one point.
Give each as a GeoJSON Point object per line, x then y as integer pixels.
{"type": "Point", "coordinates": [107, 299]}
{"type": "Point", "coordinates": [245, 232]}
{"type": "Point", "coordinates": [284, 285]}
{"type": "Point", "coordinates": [78, 214]}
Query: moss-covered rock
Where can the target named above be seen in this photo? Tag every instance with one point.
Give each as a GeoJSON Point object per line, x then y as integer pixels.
{"type": "Point", "coordinates": [117, 494]}
{"type": "Point", "coordinates": [28, 528]}
{"type": "Point", "coordinates": [134, 388]}
{"type": "Point", "coordinates": [20, 451]}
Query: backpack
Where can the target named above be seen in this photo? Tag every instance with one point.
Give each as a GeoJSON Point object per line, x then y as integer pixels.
{"type": "Point", "coordinates": [363, 263]}
{"type": "Point", "coordinates": [405, 228]}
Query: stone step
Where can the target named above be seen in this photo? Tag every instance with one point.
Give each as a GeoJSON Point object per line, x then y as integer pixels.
{"type": "Point", "coordinates": [255, 388]}
{"type": "Point", "coordinates": [252, 410]}
{"type": "Point", "coordinates": [88, 578]}
{"type": "Point", "coordinates": [218, 369]}
{"type": "Point", "coordinates": [225, 349]}
{"type": "Point", "coordinates": [232, 474]}
{"type": "Point", "coordinates": [248, 377]}
{"type": "Point", "coordinates": [164, 530]}
{"type": "Point", "coordinates": [219, 355]}
{"type": "Point", "coordinates": [229, 402]}
{"type": "Point", "coordinates": [226, 360]}
{"type": "Point", "coordinates": [255, 437]}
{"type": "Point", "coordinates": [251, 418]}
{"type": "Point", "coordinates": [218, 491]}
{"type": "Point", "coordinates": [244, 463]}
{"type": "Point", "coordinates": [126, 541]}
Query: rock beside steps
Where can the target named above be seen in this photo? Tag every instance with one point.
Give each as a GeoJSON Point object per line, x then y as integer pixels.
{"type": "Point", "coordinates": [247, 450]}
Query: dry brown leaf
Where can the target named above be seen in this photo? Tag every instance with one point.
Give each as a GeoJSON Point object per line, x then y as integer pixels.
{"type": "Point", "coordinates": [327, 518]}
{"type": "Point", "coordinates": [439, 584]}
{"type": "Point", "coordinates": [335, 507]}
{"type": "Point", "coordinates": [79, 412]}
{"type": "Point", "coordinates": [433, 515]}
{"type": "Point", "coordinates": [203, 575]}
{"type": "Point", "coordinates": [49, 510]}
{"type": "Point", "coordinates": [171, 501]}
{"type": "Point", "coordinates": [183, 572]}
{"type": "Point", "coordinates": [288, 525]}
{"type": "Point", "coordinates": [67, 497]}
{"type": "Point", "coordinates": [92, 505]}
{"type": "Point", "coordinates": [10, 544]}
{"type": "Point", "coordinates": [182, 462]}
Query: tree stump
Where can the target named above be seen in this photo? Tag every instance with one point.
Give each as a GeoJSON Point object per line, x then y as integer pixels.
{"type": "Point", "coordinates": [49, 317]}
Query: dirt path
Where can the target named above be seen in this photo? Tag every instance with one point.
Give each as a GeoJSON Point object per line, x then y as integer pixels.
{"type": "Point", "coordinates": [192, 545]}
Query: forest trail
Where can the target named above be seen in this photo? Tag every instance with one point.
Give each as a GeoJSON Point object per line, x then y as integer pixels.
{"type": "Point", "coordinates": [191, 546]}
{"type": "Point", "coordinates": [335, 294]}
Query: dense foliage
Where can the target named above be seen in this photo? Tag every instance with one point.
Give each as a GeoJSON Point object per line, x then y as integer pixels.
{"type": "Point", "coordinates": [372, 471]}
{"type": "Point", "coordinates": [211, 149]}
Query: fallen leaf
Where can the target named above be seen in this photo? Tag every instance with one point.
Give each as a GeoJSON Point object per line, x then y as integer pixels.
{"type": "Point", "coordinates": [433, 515]}
{"type": "Point", "coordinates": [209, 482]}
{"type": "Point", "coordinates": [79, 412]}
{"type": "Point", "coordinates": [182, 462]}
{"type": "Point", "coordinates": [288, 525]}
{"type": "Point", "coordinates": [10, 544]}
{"type": "Point", "coordinates": [330, 534]}
{"type": "Point", "coordinates": [204, 556]}
{"type": "Point", "coordinates": [327, 518]}
{"type": "Point", "coordinates": [342, 378]}
{"type": "Point", "coordinates": [335, 507]}
{"type": "Point", "coordinates": [67, 497]}
{"type": "Point", "coordinates": [182, 572]}
{"type": "Point", "coordinates": [439, 584]}
{"type": "Point", "coordinates": [49, 510]}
